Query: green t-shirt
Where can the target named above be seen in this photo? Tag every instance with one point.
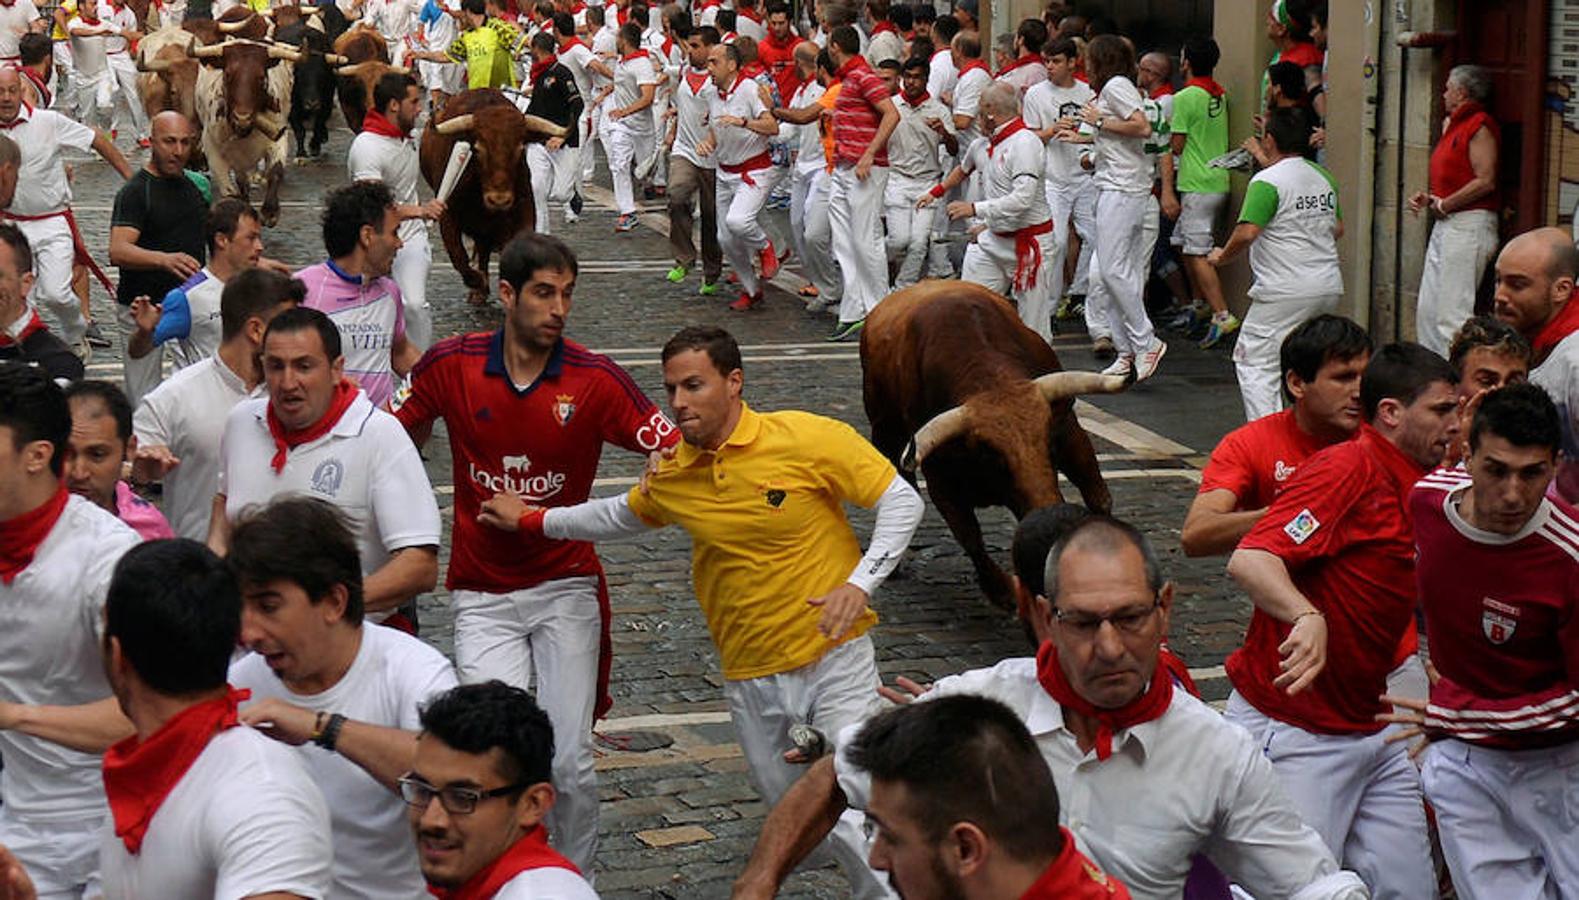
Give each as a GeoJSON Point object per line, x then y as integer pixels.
{"type": "Point", "coordinates": [1205, 119]}
{"type": "Point", "coordinates": [486, 55]}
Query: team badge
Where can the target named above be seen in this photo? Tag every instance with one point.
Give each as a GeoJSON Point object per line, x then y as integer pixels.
{"type": "Point", "coordinates": [1498, 620]}
{"type": "Point", "coordinates": [1301, 527]}
{"type": "Point", "coordinates": [564, 408]}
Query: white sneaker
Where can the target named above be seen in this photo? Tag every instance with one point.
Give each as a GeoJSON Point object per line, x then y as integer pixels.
{"type": "Point", "coordinates": [1121, 367]}
{"type": "Point", "coordinates": [1146, 364]}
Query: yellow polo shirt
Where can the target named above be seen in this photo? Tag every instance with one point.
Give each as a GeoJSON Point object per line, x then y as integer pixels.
{"type": "Point", "coordinates": [768, 532]}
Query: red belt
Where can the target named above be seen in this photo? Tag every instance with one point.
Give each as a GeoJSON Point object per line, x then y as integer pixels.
{"type": "Point", "coordinates": [1027, 253]}
{"type": "Point", "coordinates": [763, 160]}
{"type": "Point", "coordinates": [81, 255]}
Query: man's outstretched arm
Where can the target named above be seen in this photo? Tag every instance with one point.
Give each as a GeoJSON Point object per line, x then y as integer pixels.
{"type": "Point", "coordinates": [803, 817]}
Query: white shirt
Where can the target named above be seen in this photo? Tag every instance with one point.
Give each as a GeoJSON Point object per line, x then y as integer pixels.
{"type": "Point", "coordinates": [366, 466]}
{"type": "Point", "coordinates": [124, 19]}
{"type": "Point", "coordinates": [692, 96]}
{"type": "Point", "coordinates": [913, 147]}
{"type": "Point", "coordinates": [1024, 76]}
{"type": "Point", "coordinates": [203, 292]}
{"type": "Point", "coordinates": [89, 50]}
{"type": "Point", "coordinates": [941, 75]}
{"type": "Point", "coordinates": [603, 47]}
{"type": "Point", "coordinates": [736, 143]}
{"type": "Point", "coordinates": [246, 819]}
{"type": "Point", "coordinates": [1186, 783]}
{"type": "Point", "coordinates": [51, 619]}
{"type": "Point", "coordinates": [967, 101]}
{"type": "Point", "coordinates": [1011, 179]}
{"type": "Point", "coordinates": [14, 20]}
{"type": "Point", "coordinates": [575, 58]}
{"type": "Point", "coordinates": [41, 185]}
{"type": "Point", "coordinates": [751, 28]}
{"type": "Point", "coordinates": [548, 883]}
{"type": "Point", "coordinates": [885, 45]}
{"type": "Point", "coordinates": [629, 76]}
{"type": "Point", "coordinates": [393, 676]}
{"type": "Point", "coordinates": [1295, 256]}
{"type": "Point", "coordinates": [1045, 103]}
{"type": "Point", "coordinates": [394, 162]}
{"type": "Point", "coordinates": [810, 157]}
{"type": "Point", "coordinates": [187, 413]}
{"type": "Point", "coordinates": [1121, 162]}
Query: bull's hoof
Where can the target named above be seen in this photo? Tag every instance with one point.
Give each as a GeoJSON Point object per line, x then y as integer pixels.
{"type": "Point", "coordinates": [299, 161]}
{"type": "Point", "coordinates": [477, 298]}
{"type": "Point", "coordinates": [269, 217]}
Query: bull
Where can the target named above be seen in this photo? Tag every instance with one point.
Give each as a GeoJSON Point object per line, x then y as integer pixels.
{"type": "Point", "coordinates": [242, 100]}
{"type": "Point", "coordinates": [955, 383]}
{"type": "Point", "coordinates": [367, 60]}
{"type": "Point", "coordinates": [312, 79]}
{"type": "Point", "coordinates": [492, 202]}
{"type": "Point", "coordinates": [169, 79]}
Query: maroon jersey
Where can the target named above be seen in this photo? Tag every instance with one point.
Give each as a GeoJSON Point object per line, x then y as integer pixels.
{"type": "Point", "coordinates": [1502, 616]}
{"type": "Point", "coordinates": [541, 441]}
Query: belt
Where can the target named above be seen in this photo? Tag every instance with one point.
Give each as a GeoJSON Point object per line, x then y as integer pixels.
{"type": "Point", "coordinates": [1027, 253]}
{"type": "Point", "coordinates": [763, 160]}
{"type": "Point", "coordinates": [81, 248]}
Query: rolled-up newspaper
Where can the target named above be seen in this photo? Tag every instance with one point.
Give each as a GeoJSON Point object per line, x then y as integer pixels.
{"type": "Point", "coordinates": [460, 156]}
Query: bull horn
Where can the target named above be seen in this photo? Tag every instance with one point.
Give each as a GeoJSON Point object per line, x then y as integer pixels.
{"type": "Point", "coordinates": [455, 125]}
{"type": "Point", "coordinates": [399, 70]}
{"type": "Point", "coordinates": [153, 65]}
{"type": "Point", "coordinates": [1061, 385]}
{"type": "Point", "coordinates": [214, 51]}
{"type": "Point", "coordinates": [277, 51]}
{"type": "Point", "coordinates": [352, 71]}
{"type": "Point", "coordinates": [237, 25]}
{"type": "Point", "coordinates": [265, 13]}
{"type": "Point", "coordinates": [540, 125]}
{"type": "Point", "coordinates": [310, 10]}
{"type": "Point", "coordinates": [943, 427]}
{"type": "Point", "coordinates": [335, 59]}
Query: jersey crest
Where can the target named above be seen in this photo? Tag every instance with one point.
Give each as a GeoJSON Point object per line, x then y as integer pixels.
{"type": "Point", "coordinates": [1498, 620]}
{"type": "Point", "coordinates": [564, 408]}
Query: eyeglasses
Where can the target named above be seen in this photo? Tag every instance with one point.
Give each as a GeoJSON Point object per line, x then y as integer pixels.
{"type": "Point", "coordinates": [1127, 621]}
{"type": "Point", "coordinates": [459, 801]}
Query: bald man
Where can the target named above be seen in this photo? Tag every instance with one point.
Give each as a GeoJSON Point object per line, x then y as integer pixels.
{"type": "Point", "coordinates": [10, 162]}
{"type": "Point", "coordinates": [1536, 275]}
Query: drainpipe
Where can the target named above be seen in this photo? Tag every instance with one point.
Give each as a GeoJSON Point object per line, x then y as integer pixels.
{"type": "Point", "coordinates": [1407, 40]}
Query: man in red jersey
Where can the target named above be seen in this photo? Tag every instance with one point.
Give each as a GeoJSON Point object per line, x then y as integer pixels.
{"type": "Point", "coordinates": [777, 50]}
{"type": "Point", "coordinates": [528, 413]}
{"type": "Point", "coordinates": [1330, 568]}
{"type": "Point", "coordinates": [1498, 573]}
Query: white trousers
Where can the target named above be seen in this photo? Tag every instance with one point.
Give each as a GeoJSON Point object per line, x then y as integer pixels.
{"type": "Point", "coordinates": [1455, 258]}
{"type": "Point", "coordinates": [410, 271]}
{"type": "Point", "coordinates": [991, 261]}
{"type": "Point", "coordinates": [95, 97]}
{"type": "Point", "coordinates": [1075, 204]}
{"type": "Point", "coordinates": [1119, 260]}
{"type": "Point", "coordinates": [1507, 819]}
{"type": "Point", "coordinates": [594, 127]}
{"type": "Point", "coordinates": [141, 375]}
{"type": "Point", "coordinates": [624, 146]}
{"type": "Point", "coordinates": [812, 232]}
{"type": "Point", "coordinates": [1258, 352]}
{"type": "Point", "coordinates": [62, 858]}
{"type": "Point", "coordinates": [1099, 306]}
{"type": "Point", "coordinates": [545, 639]}
{"type": "Point", "coordinates": [128, 102]}
{"type": "Point", "coordinates": [740, 233]}
{"type": "Point", "coordinates": [855, 212]}
{"type": "Point", "coordinates": [1360, 793]}
{"type": "Point", "coordinates": [553, 178]}
{"type": "Point", "coordinates": [63, 79]}
{"type": "Point", "coordinates": [909, 229]}
{"type": "Point", "coordinates": [836, 691]}
{"type": "Point", "coordinates": [53, 256]}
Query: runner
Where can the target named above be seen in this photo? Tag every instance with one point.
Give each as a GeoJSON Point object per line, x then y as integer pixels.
{"type": "Point", "coordinates": [100, 446]}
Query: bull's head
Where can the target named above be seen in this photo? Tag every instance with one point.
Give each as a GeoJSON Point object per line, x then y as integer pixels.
{"type": "Point", "coordinates": [246, 102]}
{"type": "Point", "coordinates": [499, 135]}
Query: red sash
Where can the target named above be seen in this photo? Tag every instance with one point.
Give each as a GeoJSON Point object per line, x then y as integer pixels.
{"type": "Point", "coordinates": [763, 160]}
{"type": "Point", "coordinates": [79, 246]}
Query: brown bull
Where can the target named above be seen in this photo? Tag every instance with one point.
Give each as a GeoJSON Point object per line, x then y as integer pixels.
{"type": "Point", "coordinates": [954, 382]}
{"type": "Point", "coordinates": [492, 202]}
{"type": "Point", "coordinates": [243, 98]}
{"type": "Point", "coordinates": [169, 79]}
{"type": "Point", "coordinates": [367, 58]}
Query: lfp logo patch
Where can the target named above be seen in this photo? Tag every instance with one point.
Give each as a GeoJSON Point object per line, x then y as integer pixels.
{"type": "Point", "coordinates": [1301, 527]}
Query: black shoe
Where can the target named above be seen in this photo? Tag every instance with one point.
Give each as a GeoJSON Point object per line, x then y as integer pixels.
{"type": "Point", "coordinates": [95, 337]}
{"type": "Point", "coordinates": [576, 203]}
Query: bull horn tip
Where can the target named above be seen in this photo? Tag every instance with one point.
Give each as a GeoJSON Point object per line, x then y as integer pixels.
{"type": "Point", "coordinates": [907, 459]}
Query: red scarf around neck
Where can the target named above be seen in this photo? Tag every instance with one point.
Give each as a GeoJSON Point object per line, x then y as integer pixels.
{"type": "Point", "coordinates": [286, 440]}
{"type": "Point", "coordinates": [1029, 59]}
{"type": "Point", "coordinates": [530, 852]}
{"type": "Point", "coordinates": [572, 42]}
{"type": "Point", "coordinates": [633, 56]}
{"type": "Point", "coordinates": [1002, 134]}
{"type": "Point", "coordinates": [885, 25]}
{"type": "Point", "coordinates": [974, 64]}
{"type": "Point", "coordinates": [1148, 706]}
{"type": "Point", "coordinates": [138, 776]}
{"type": "Point", "coordinates": [1561, 325]}
{"type": "Point", "coordinates": [1207, 84]}
{"type": "Point", "coordinates": [850, 65]}
{"type": "Point", "coordinates": [918, 101]}
{"type": "Point", "coordinates": [20, 536]}
{"type": "Point", "coordinates": [751, 14]}
{"type": "Point", "coordinates": [538, 68]}
{"type": "Point", "coordinates": [34, 324]}
{"type": "Point", "coordinates": [752, 70]}
{"type": "Point", "coordinates": [379, 124]}
{"type": "Point", "coordinates": [696, 79]}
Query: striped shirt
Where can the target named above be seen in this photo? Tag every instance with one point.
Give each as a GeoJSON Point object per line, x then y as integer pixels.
{"type": "Point", "coordinates": [855, 113]}
{"type": "Point", "coordinates": [371, 321]}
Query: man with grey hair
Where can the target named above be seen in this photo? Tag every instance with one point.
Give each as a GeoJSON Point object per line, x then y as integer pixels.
{"type": "Point", "coordinates": [1010, 255]}
{"type": "Point", "coordinates": [1131, 752]}
{"type": "Point", "coordinates": [1463, 199]}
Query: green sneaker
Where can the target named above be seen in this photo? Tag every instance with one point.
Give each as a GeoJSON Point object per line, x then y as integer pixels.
{"type": "Point", "coordinates": [1222, 325]}
{"type": "Point", "coordinates": [676, 275]}
{"type": "Point", "coordinates": [708, 288]}
{"type": "Point", "coordinates": [847, 331]}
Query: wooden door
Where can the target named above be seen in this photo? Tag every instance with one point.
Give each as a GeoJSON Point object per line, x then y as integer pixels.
{"type": "Point", "coordinates": [1509, 37]}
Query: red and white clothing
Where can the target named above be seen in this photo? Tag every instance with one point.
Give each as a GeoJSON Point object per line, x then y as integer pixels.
{"type": "Point", "coordinates": [55, 568]}
{"type": "Point", "coordinates": [1256, 460]}
{"type": "Point", "coordinates": [692, 100]}
{"type": "Point", "coordinates": [1024, 73]}
{"type": "Point", "coordinates": [381, 155]}
{"type": "Point", "coordinates": [746, 175]}
{"type": "Point", "coordinates": [1013, 255]}
{"type": "Point", "coordinates": [914, 151]}
{"type": "Point", "coordinates": [628, 140]}
{"type": "Point", "coordinates": [973, 78]}
{"type": "Point", "coordinates": [885, 42]}
{"type": "Point", "coordinates": [129, 112]}
{"type": "Point", "coordinates": [371, 318]}
{"type": "Point", "coordinates": [941, 76]}
{"type": "Point", "coordinates": [15, 18]}
{"type": "Point", "coordinates": [855, 206]}
{"type": "Point", "coordinates": [750, 22]}
{"type": "Point", "coordinates": [528, 870]}
{"type": "Point", "coordinates": [1463, 241]}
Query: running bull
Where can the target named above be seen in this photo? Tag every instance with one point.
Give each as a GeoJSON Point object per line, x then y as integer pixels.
{"type": "Point", "coordinates": [243, 97]}
{"type": "Point", "coordinates": [954, 383]}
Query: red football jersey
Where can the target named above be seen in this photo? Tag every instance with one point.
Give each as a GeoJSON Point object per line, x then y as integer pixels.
{"type": "Point", "coordinates": [1342, 528]}
{"type": "Point", "coordinates": [542, 442]}
{"type": "Point", "coordinates": [1257, 459]}
{"type": "Point", "coordinates": [1502, 612]}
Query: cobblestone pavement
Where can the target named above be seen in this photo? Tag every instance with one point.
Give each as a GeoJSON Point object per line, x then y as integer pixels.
{"type": "Point", "coordinates": [679, 822]}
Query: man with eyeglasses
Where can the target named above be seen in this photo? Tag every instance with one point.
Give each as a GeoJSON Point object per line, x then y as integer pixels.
{"type": "Point", "coordinates": [1148, 776]}
{"type": "Point", "coordinates": [478, 793]}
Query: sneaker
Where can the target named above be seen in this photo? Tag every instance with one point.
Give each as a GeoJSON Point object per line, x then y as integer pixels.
{"type": "Point", "coordinates": [1146, 364]}
{"type": "Point", "coordinates": [808, 290]}
{"type": "Point", "coordinates": [84, 351]}
{"type": "Point", "coordinates": [1123, 366]}
{"type": "Point", "coordinates": [144, 143]}
{"type": "Point", "coordinates": [708, 288]}
{"type": "Point", "coordinates": [626, 222]}
{"type": "Point", "coordinates": [576, 203]}
{"type": "Point", "coordinates": [1073, 306]}
{"type": "Point", "coordinates": [1222, 325]}
{"type": "Point", "coordinates": [676, 274]}
{"type": "Point", "coordinates": [770, 262]}
{"type": "Point", "coordinates": [744, 302]}
{"type": "Point", "coordinates": [732, 278]}
{"type": "Point", "coordinates": [95, 337]}
{"type": "Point", "coordinates": [571, 216]}
{"type": "Point", "coordinates": [847, 331]}
{"type": "Point", "coordinates": [1103, 348]}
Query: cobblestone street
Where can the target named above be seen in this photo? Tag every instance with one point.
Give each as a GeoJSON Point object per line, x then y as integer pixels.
{"type": "Point", "coordinates": [680, 821]}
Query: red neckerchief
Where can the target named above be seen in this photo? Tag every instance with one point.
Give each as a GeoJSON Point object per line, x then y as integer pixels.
{"type": "Point", "coordinates": [753, 69]}
{"type": "Point", "coordinates": [739, 77]}
{"type": "Point", "coordinates": [34, 323]}
{"type": "Point", "coordinates": [20, 536]}
{"type": "Point", "coordinates": [20, 117]}
{"type": "Point", "coordinates": [284, 440]}
{"type": "Point", "coordinates": [696, 79]}
{"type": "Point", "coordinates": [918, 101]}
{"type": "Point", "coordinates": [530, 852]}
{"type": "Point", "coordinates": [578, 9]}
{"type": "Point", "coordinates": [1002, 134]}
{"type": "Point", "coordinates": [668, 46]}
{"type": "Point", "coordinates": [885, 25]}
{"type": "Point", "coordinates": [1070, 876]}
{"type": "Point", "coordinates": [138, 776]}
{"type": "Point", "coordinates": [572, 42]}
{"type": "Point", "coordinates": [1029, 59]}
{"type": "Point", "coordinates": [1207, 84]}
{"type": "Point", "coordinates": [751, 14]}
{"type": "Point", "coordinates": [974, 64]}
{"type": "Point", "coordinates": [39, 84]}
{"type": "Point", "coordinates": [1148, 706]}
{"type": "Point", "coordinates": [622, 14]}
{"type": "Point", "coordinates": [1160, 91]}
{"type": "Point", "coordinates": [378, 123]}
{"type": "Point", "coordinates": [538, 68]}
{"type": "Point", "coordinates": [850, 65]}
{"type": "Point", "coordinates": [632, 57]}
{"type": "Point", "coordinates": [1558, 327]}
